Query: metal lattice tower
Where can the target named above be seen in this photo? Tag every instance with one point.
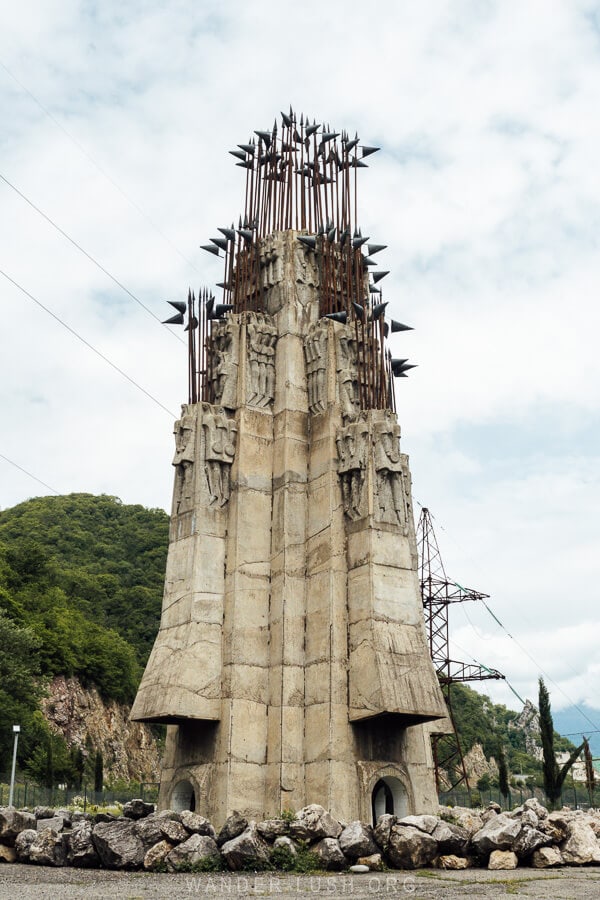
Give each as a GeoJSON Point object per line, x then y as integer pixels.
{"type": "Point", "coordinates": [438, 593]}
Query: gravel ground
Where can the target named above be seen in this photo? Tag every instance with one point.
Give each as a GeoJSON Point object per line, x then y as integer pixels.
{"type": "Point", "coordinates": [26, 882]}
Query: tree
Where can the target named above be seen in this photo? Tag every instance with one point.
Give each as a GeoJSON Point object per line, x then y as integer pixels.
{"type": "Point", "coordinates": [590, 775]}
{"type": "Point", "coordinates": [20, 687]}
{"type": "Point", "coordinates": [98, 772]}
{"type": "Point", "coordinates": [484, 783]}
{"type": "Point", "coordinates": [77, 766]}
{"type": "Point", "coordinates": [49, 768]}
{"type": "Point", "coordinates": [554, 775]}
{"type": "Point", "coordinates": [503, 774]}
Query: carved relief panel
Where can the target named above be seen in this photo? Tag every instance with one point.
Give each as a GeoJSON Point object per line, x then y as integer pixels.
{"type": "Point", "coordinates": [352, 447]}
{"type": "Point", "coordinates": [389, 474]}
{"type": "Point", "coordinates": [347, 371]}
{"type": "Point", "coordinates": [378, 440]}
{"type": "Point", "coordinates": [315, 353]}
{"type": "Point", "coordinates": [260, 347]}
{"type": "Point", "coordinates": [219, 450]}
{"type": "Point", "coordinates": [185, 449]}
{"type": "Point", "coordinates": [223, 359]}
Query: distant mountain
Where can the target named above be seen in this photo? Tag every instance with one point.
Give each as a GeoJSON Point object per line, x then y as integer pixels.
{"type": "Point", "coordinates": [572, 723]}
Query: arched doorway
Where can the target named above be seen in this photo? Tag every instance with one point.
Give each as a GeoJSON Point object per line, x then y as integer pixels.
{"type": "Point", "coordinates": [183, 796]}
{"type": "Point", "coordinates": [389, 796]}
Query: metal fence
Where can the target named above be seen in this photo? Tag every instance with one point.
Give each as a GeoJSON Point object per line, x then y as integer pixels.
{"type": "Point", "coordinates": [29, 794]}
{"type": "Point", "coordinates": [572, 796]}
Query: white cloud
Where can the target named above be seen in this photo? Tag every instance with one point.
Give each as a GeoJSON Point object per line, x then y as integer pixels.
{"type": "Point", "coordinates": [486, 191]}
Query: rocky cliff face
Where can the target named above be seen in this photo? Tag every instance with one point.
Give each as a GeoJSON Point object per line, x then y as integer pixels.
{"type": "Point", "coordinates": [129, 749]}
{"type": "Point", "coordinates": [477, 765]}
{"type": "Point", "coordinates": [529, 723]}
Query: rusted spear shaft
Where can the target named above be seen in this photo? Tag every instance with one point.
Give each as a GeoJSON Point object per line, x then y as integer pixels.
{"type": "Point", "coordinates": [191, 353]}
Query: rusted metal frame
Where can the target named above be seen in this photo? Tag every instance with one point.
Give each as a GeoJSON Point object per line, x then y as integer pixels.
{"type": "Point", "coordinates": [263, 211]}
{"type": "Point", "coordinates": [316, 185]}
{"type": "Point", "coordinates": [381, 385]}
{"type": "Point", "coordinates": [471, 672]}
{"type": "Point", "coordinates": [335, 191]}
{"type": "Point", "coordinates": [347, 273]}
{"type": "Point", "coordinates": [202, 346]}
{"type": "Point", "coordinates": [191, 350]}
{"type": "Point", "coordinates": [253, 213]}
{"type": "Point", "coordinates": [302, 178]}
{"type": "Point", "coordinates": [290, 178]}
{"type": "Point", "coordinates": [362, 350]}
{"type": "Point", "coordinates": [294, 172]}
{"type": "Point", "coordinates": [390, 382]}
{"type": "Point", "coordinates": [248, 195]}
{"type": "Point", "coordinates": [447, 755]}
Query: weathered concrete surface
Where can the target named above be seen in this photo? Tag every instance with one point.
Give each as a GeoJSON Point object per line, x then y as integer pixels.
{"type": "Point", "coordinates": [44, 883]}
{"type": "Point", "coordinates": [291, 665]}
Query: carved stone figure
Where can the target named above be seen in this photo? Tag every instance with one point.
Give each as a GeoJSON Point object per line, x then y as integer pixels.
{"type": "Point", "coordinates": [219, 450]}
{"type": "Point", "coordinates": [388, 472]}
{"type": "Point", "coordinates": [315, 352]}
{"type": "Point", "coordinates": [347, 370]}
{"type": "Point", "coordinates": [223, 363]}
{"type": "Point", "coordinates": [262, 337]}
{"type": "Point", "coordinates": [185, 443]}
{"type": "Point", "coordinates": [352, 445]}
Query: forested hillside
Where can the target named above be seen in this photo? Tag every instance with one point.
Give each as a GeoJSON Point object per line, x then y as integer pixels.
{"type": "Point", "coordinates": [80, 594]}
{"type": "Point", "coordinates": [495, 727]}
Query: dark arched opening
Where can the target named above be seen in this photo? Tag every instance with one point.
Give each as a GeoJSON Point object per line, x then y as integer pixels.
{"type": "Point", "coordinates": [183, 797]}
{"type": "Point", "coordinates": [389, 796]}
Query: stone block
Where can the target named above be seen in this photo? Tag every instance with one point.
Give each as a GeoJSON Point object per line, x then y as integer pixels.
{"type": "Point", "coordinates": [249, 683]}
{"type": "Point", "coordinates": [380, 547]}
{"type": "Point", "coordinates": [206, 609]}
{"type": "Point", "coordinates": [249, 536]}
{"type": "Point", "coordinates": [289, 516]}
{"type": "Point", "coordinates": [325, 550]}
{"type": "Point", "coordinates": [289, 461]}
{"type": "Point", "coordinates": [248, 723]}
{"type": "Point", "coordinates": [316, 738]}
{"type": "Point", "coordinates": [317, 635]}
{"type": "Point", "coordinates": [503, 859]}
{"type": "Point", "coordinates": [246, 786]}
{"type": "Point", "coordinates": [316, 681]}
{"type": "Point", "coordinates": [246, 646]}
{"type": "Point", "coordinates": [292, 737]}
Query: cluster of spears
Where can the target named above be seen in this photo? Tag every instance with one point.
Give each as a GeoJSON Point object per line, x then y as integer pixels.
{"type": "Point", "coordinates": [301, 177]}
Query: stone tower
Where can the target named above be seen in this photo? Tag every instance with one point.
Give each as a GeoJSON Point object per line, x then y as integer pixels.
{"type": "Point", "coordinates": [291, 664]}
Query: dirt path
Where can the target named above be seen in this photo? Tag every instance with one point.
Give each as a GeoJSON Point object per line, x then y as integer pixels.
{"type": "Point", "coordinates": [20, 882]}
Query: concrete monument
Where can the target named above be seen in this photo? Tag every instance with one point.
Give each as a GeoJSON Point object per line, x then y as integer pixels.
{"type": "Point", "coordinates": [291, 665]}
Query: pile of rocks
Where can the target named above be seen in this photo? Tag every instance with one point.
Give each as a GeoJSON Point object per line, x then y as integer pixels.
{"type": "Point", "coordinates": [175, 841]}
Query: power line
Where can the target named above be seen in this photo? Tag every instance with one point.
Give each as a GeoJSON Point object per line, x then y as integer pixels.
{"type": "Point", "coordinates": [521, 647]}
{"type": "Point", "coordinates": [85, 253]}
{"type": "Point", "coordinates": [545, 674]}
{"type": "Point", "coordinates": [35, 478]}
{"type": "Point", "coordinates": [573, 733]}
{"type": "Point", "coordinates": [87, 344]}
{"type": "Point", "coordinates": [98, 166]}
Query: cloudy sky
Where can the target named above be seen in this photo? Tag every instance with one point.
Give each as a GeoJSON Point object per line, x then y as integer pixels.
{"type": "Point", "coordinates": [116, 122]}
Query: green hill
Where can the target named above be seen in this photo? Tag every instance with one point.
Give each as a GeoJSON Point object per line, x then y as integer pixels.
{"type": "Point", "coordinates": [81, 581]}
{"type": "Point", "coordinates": [90, 555]}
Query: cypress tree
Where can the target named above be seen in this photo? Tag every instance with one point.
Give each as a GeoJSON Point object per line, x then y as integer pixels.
{"type": "Point", "coordinates": [49, 773]}
{"type": "Point", "coordinates": [79, 766]}
{"type": "Point", "coordinates": [98, 772]}
{"type": "Point", "coordinates": [590, 775]}
{"type": "Point", "coordinates": [503, 774]}
{"type": "Point", "coordinates": [553, 775]}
